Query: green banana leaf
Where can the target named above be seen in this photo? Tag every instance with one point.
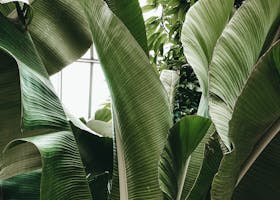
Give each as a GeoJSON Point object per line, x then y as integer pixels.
{"type": "Point", "coordinates": [208, 167]}
{"type": "Point", "coordinates": [6, 9]}
{"type": "Point", "coordinates": [60, 30]}
{"type": "Point", "coordinates": [130, 13]}
{"type": "Point", "coordinates": [249, 33]}
{"type": "Point", "coordinates": [263, 174]}
{"type": "Point", "coordinates": [255, 122]}
{"type": "Point", "coordinates": [21, 187]}
{"type": "Point", "coordinates": [203, 26]}
{"type": "Point", "coordinates": [37, 111]}
{"type": "Point", "coordinates": [141, 110]}
{"type": "Point", "coordinates": [189, 152]}
{"type": "Point", "coordinates": [61, 165]}
{"type": "Point", "coordinates": [235, 56]}
{"type": "Point", "coordinates": [24, 85]}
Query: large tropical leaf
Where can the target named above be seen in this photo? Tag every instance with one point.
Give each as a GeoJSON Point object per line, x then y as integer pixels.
{"type": "Point", "coordinates": [37, 111]}
{"type": "Point", "coordinates": [185, 156]}
{"type": "Point", "coordinates": [255, 122]}
{"type": "Point", "coordinates": [249, 33]}
{"type": "Point", "coordinates": [60, 30]}
{"type": "Point", "coordinates": [235, 55]}
{"type": "Point", "coordinates": [203, 25]}
{"type": "Point", "coordinates": [26, 85]}
{"type": "Point", "coordinates": [141, 110]}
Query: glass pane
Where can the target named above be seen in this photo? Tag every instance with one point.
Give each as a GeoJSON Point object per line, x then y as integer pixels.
{"type": "Point", "coordinates": [100, 91]}
{"type": "Point", "coordinates": [55, 79]}
{"type": "Point", "coordinates": [75, 88]}
{"type": "Point", "coordinates": [87, 54]}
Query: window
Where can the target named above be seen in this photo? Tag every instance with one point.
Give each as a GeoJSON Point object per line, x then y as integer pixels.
{"type": "Point", "coordinates": [82, 86]}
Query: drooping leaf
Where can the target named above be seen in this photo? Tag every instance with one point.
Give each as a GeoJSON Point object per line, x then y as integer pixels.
{"type": "Point", "coordinates": [63, 175]}
{"type": "Point", "coordinates": [25, 81]}
{"type": "Point", "coordinates": [184, 138]}
{"type": "Point", "coordinates": [142, 110]}
{"type": "Point", "coordinates": [42, 113]}
{"type": "Point", "coordinates": [60, 32]}
{"type": "Point", "coordinates": [255, 122]}
{"type": "Point", "coordinates": [203, 26]}
{"type": "Point", "coordinates": [21, 187]}
{"type": "Point", "coordinates": [10, 102]}
{"type": "Point", "coordinates": [234, 57]}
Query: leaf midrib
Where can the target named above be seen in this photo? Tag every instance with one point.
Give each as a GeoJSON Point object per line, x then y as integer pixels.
{"type": "Point", "coordinates": [271, 132]}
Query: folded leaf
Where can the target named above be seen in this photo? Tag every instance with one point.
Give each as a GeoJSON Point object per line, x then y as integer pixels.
{"type": "Point", "coordinates": [204, 23]}
{"type": "Point", "coordinates": [255, 122]}
{"type": "Point", "coordinates": [141, 110]}
{"type": "Point", "coordinates": [96, 151]}
{"type": "Point", "coordinates": [234, 57]}
{"type": "Point", "coordinates": [62, 168]}
{"type": "Point", "coordinates": [42, 113]}
{"type": "Point", "coordinates": [208, 168]}
{"type": "Point", "coordinates": [21, 187]}
{"type": "Point", "coordinates": [175, 159]}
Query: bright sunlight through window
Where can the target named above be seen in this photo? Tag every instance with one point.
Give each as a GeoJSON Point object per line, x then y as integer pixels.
{"type": "Point", "coordinates": [81, 86]}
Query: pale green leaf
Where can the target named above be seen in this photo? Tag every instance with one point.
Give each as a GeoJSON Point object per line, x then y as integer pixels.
{"type": "Point", "coordinates": [203, 25]}
{"type": "Point", "coordinates": [103, 114]}
{"type": "Point", "coordinates": [170, 79]}
{"type": "Point", "coordinates": [103, 128]}
{"type": "Point", "coordinates": [234, 57]}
